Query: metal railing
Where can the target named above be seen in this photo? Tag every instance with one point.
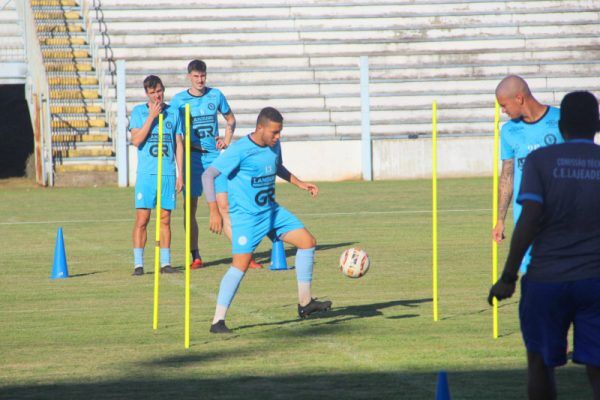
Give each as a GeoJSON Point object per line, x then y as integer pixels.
{"type": "Point", "coordinates": [98, 60]}
{"type": "Point", "coordinates": [37, 93]}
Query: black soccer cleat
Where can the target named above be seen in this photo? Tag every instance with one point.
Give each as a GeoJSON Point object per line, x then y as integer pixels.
{"type": "Point", "coordinates": [219, 327]}
{"type": "Point", "coordinates": [313, 307]}
{"type": "Point", "coordinates": [138, 271]}
{"type": "Point", "coordinates": [167, 269]}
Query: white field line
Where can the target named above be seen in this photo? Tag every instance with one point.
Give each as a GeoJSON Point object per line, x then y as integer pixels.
{"type": "Point", "coordinates": [326, 214]}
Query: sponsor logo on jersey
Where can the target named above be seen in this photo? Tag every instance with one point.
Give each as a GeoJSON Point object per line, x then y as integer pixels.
{"type": "Point", "coordinates": [521, 162]}
{"type": "Point", "coordinates": [265, 197]}
{"type": "Point", "coordinates": [263, 181]}
{"type": "Point", "coordinates": [549, 139]}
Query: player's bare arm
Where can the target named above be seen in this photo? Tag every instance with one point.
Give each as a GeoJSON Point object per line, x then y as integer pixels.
{"type": "Point", "coordinates": [285, 174]}
{"type": "Point", "coordinates": [505, 193]}
{"type": "Point", "coordinates": [215, 220]}
{"type": "Point", "coordinates": [139, 135]}
{"type": "Point", "coordinates": [179, 161]}
{"type": "Point", "coordinates": [309, 187]}
{"type": "Point", "coordinates": [229, 130]}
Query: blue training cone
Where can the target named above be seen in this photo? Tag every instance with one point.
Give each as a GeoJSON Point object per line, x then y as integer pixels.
{"type": "Point", "coordinates": [278, 261]}
{"type": "Point", "coordinates": [59, 267]}
{"type": "Point", "coordinates": [442, 391]}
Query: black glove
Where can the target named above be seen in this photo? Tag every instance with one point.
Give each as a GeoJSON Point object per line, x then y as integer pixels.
{"type": "Point", "coordinates": [503, 289]}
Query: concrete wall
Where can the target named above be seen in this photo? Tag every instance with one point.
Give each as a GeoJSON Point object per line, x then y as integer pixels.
{"type": "Point", "coordinates": [336, 160]}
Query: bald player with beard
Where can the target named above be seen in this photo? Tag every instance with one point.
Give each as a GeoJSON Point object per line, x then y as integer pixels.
{"type": "Point", "coordinates": [532, 125]}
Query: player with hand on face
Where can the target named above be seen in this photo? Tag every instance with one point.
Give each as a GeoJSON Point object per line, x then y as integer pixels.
{"type": "Point", "coordinates": [252, 164]}
{"type": "Point", "coordinates": [144, 135]}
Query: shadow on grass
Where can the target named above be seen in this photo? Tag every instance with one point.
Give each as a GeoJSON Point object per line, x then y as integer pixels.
{"type": "Point", "coordinates": [491, 384]}
{"type": "Point", "coordinates": [264, 257]}
{"type": "Point", "coordinates": [343, 314]}
{"type": "Point", "coordinates": [86, 274]}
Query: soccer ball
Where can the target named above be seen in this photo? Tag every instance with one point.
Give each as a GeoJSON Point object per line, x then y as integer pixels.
{"type": "Point", "coordinates": [354, 263]}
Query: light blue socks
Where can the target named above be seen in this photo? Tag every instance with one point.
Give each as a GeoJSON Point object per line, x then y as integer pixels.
{"type": "Point", "coordinates": [165, 257]}
{"type": "Point", "coordinates": [304, 264]}
{"type": "Point", "coordinates": [138, 257]}
{"type": "Point", "coordinates": [229, 286]}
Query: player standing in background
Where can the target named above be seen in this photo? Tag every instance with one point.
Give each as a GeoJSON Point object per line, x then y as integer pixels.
{"type": "Point", "coordinates": [144, 136]}
{"type": "Point", "coordinates": [252, 165]}
{"type": "Point", "coordinates": [559, 194]}
{"type": "Point", "coordinates": [532, 125]}
{"type": "Point", "coordinates": [205, 104]}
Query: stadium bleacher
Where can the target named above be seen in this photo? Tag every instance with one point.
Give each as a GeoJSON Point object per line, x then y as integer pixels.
{"type": "Point", "coordinates": [302, 57]}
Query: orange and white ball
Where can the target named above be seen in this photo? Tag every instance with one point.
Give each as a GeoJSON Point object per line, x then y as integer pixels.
{"type": "Point", "coordinates": [354, 263]}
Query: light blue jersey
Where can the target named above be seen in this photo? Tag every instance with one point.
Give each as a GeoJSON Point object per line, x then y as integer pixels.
{"type": "Point", "coordinates": [204, 118]}
{"type": "Point", "coordinates": [251, 170]}
{"type": "Point", "coordinates": [519, 138]}
{"type": "Point", "coordinates": [148, 150]}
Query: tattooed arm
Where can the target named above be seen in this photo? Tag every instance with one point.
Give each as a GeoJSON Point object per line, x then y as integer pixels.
{"type": "Point", "coordinates": [505, 194]}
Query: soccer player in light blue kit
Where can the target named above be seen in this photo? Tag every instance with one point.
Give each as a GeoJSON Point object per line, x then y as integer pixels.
{"type": "Point", "coordinates": [205, 105]}
{"type": "Point", "coordinates": [251, 166]}
{"type": "Point", "coordinates": [532, 125]}
{"type": "Point", "coordinates": [144, 135]}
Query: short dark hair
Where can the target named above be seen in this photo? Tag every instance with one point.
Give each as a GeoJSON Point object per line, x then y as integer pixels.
{"type": "Point", "coordinates": [269, 114]}
{"type": "Point", "coordinates": [152, 81]}
{"type": "Point", "coordinates": [579, 115]}
{"type": "Point", "coordinates": [196, 65]}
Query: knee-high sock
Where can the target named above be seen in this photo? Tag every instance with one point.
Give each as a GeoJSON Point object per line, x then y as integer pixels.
{"type": "Point", "coordinates": [229, 286]}
{"type": "Point", "coordinates": [304, 269]}
{"type": "Point", "coordinates": [138, 257]}
{"type": "Point", "coordinates": [165, 256]}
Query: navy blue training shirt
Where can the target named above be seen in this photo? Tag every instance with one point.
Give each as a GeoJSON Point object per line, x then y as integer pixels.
{"type": "Point", "coordinates": [565, 179]}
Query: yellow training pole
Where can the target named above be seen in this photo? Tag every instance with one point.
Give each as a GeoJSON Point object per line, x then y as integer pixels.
{"type": "Point", "coordinates": [495, 217]}
{"type": "Point", "coordinates": [188, 190]}
{"type": "Point", "coordinates": [158, 218]}
{"type": "Point", "coordinates": [434, 208]}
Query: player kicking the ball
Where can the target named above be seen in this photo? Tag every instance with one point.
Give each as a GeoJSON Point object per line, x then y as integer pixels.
{"type": "Point", "coordinates": [251, 165]}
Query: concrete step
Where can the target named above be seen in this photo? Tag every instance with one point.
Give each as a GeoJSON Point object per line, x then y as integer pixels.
{"type": "Point", "coordinates": [49, 27]}
{"type": "Point", "coordinates": [413, 86]}
{"type": "Point", "coordinates": [348, 34]}
{"type": "Point", "coordinates": [74, 94]}
{"type": "Point", "coordinates": [82, 152]}
{"type": "Point", "coordinates": [217, 4]}
{"type": "Point", "coordinates": [410, 60]}
{"type": "Point", "coordinates": [75, 109]}
{"type": "Point", "coordinates": [360, 48]}
{"type": "Point", "coordinates": [56, 15]}
{"type": "Point", "coordinates": [72, 80]}
{"type": "Point", "coordinates": [53, 3]}
{"type": "Point", "coordinates": [75, 138]}
{"type": "Point", "coordinates": [76, 122]}
{"type": "Point", "coordinates": [63, 41]}
{"type": "Point", "coordinates": [82, 66]}
{"type": "Point", "coordinates": [363, 10]}
{"type": "Point", "coordinates": [67, 54]}
{"type": "Point", "coordinates": [177, 79]}
{"type": "Point", "coordinates": [83, 164]}
{"type": "Point", "coordinates": [70, 177]}
{"type": "Point", "coordinates": [189, 25]}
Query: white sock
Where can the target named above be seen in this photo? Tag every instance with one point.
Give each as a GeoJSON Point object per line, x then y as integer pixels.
{"type": "Point", "coordinates": [304, 293]}
{"type": "Point", "coordinates": [220, 313]}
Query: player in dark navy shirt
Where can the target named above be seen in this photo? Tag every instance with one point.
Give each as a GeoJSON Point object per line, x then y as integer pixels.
{"type": "Point", "coordinates": [560, 195]}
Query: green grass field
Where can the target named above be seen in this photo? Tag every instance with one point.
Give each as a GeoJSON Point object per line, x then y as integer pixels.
{"type": "Point", "coordinates": [90, 336]}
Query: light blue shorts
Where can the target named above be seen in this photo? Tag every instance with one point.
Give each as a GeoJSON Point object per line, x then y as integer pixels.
{"type": "Point", "coordinates": [198, 166]}
{"type": "Point", "coordinates": [145, 192]}
{"type": "Point", "coordinates": [249, 230]}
